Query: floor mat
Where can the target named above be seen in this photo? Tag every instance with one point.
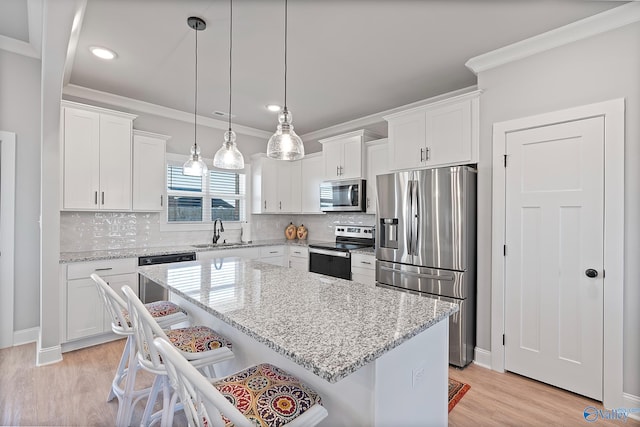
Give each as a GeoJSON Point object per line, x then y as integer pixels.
{"type": "Point", "coordinates": [456, 391]}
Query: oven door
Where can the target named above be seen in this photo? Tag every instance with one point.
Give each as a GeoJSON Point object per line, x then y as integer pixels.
{"type": "Point", "coordinates": [330, 263]}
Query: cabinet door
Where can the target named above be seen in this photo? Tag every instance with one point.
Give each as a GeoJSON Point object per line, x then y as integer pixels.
{"type": "Point", "coordinates": [332, 160]}
{"type": "Point", "coordinates": [377, 164]}
{"type": "Point", "coordinates": [270, 200]}
{"type": "Point", "coordinates": [448, 134]}
{"type": "Point", "coordinates": [85, 310]}
{"type": "Point", "coordinates": [283, 185]}
{"type": "Point", "coordinates": [295, 201]}
{"type": "Point", "coordinates": [406, 139]}
{"type": "Point", "coordinates": [352, 159]}
{"type": "Point", "coordinates": [115, 163]}
{"type": "Point", "coordinates": [81, 157]}
{"type": "Point", "coordinates": [312, 176]}
{"type": "Point", "coordinates": [149, 173]}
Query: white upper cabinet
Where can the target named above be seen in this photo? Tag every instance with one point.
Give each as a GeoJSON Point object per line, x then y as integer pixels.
{"type": "Point", "coordinates": [149, 171]}
{"type": "Point", "coordinates": [272, 185]}
{"type": "Point", "coordinates": [344, 156]}
{"type": "Point", "coordinates": [377, 164]}
{"type": "Point", "coordinates": [96, 155]}
{"type": "Point", "coordinates": [438, 134]}
{"type": "Point", "coordinates": [286, 187]}
{"type": "Point", "coordinates": [312, 175]}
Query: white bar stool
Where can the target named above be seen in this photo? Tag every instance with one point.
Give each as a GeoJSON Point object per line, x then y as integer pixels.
{"type": "Point", "coordinates": [201, 346]}
{"type": "Point", "coordinates": [165, 312]}
{"type": "Point", "coordinates": [256, 396]}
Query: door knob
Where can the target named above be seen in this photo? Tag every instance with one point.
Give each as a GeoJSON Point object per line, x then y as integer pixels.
{"type": "Point", "coordinates": [590, 272]}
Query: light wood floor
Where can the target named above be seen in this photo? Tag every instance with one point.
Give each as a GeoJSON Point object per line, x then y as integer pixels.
{"type": "Point", "coordinates": [73, 393]}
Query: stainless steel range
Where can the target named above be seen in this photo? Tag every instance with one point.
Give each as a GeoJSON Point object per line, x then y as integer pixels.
{"type": "Point", "coordinates": [334, 258]}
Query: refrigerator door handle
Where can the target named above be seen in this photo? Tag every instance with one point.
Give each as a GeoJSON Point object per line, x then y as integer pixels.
{"type": "Point", "coordinates": [415, 220]}
{"type": "Point", "coordinates": [408, 218]}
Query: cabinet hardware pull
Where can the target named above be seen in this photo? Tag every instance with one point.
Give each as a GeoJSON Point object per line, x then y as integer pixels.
{"type": "Point", "coordinates": [273, 252]}
{"type": "Point", "coordinates": [341, 171]}
{"type": "Point", "coordinates": [428, 153]}
{"type": "Point", "coordinates": [161, 200]}
{"type": "Point", "coordinates": [365, 262]}
{"type": "Point", "coordinates": [103, 269]}
{"type": "Point", "coordinates": [95, 198]}
{"type": "Point", "coordinates": [422, 154]}
{"type": "Point", "coordinates": [103, 197]}
{"type": "Point", "coordinates": [265, 204]}
{"type": "Point", "coordinates": [368, 202]}
{"type": "Point", "coordinates": [280, 205]}
{"type": "Point", "coordinates": [337, 170]}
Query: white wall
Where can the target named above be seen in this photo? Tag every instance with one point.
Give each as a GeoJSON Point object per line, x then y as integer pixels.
{"type": "Point", "coordinates": [20, 113]}
{"type": "Point", "coordinates": [596, 69]}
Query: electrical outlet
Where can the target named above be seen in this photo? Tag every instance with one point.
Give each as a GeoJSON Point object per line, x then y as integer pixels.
{"type": "Point", "coordinates": [418, 376]}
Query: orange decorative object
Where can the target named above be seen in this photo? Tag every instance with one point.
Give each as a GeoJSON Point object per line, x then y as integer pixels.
{"type": "Point", "coordinates": [290, 231]}
{"type": "Point", "coordinates": [301, 232]}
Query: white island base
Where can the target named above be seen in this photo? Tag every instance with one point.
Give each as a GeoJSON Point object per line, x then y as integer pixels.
{"type": "Point", "coordinates": [406, 386]}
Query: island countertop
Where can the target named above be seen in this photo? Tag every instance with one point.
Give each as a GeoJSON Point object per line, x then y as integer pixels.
{"type": "Point", "coordinates": [331, 327]}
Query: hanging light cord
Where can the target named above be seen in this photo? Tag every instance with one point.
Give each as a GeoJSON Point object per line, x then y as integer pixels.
{"type": "Point", "coordinates": [285, 55]}
{"type": "Point", "coordinates": [195, 106]}
{"type": "Point", "coordinates": [230, 49]}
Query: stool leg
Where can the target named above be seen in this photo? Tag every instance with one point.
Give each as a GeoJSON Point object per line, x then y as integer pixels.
{"type": "Point", "coordinates": [120, 372]}
{"type": "Point", "coordinates": [125, 408]}
{"type": "Point", "coordinates": [151, 402]}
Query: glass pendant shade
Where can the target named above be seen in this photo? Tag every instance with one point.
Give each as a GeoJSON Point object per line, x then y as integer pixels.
{"type": "Point", "coordinates": [285, 144]}
{"type": "Point", "coordinates": [195, 166]}
{"type": "Point", "coordinates": [228, 156]}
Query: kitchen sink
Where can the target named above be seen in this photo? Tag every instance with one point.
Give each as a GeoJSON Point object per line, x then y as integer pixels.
{"type": "Point", "coordinates": [216, 245]}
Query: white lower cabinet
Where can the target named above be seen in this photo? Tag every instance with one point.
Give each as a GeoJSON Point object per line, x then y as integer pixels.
{"type": "Point", "coordinates": [85, 312]}
{"type": "Point", "coordinates": [273, 255]}
{"type": "Point", "coordinates": [363, 268]}
{"type": "Point", "coordinates": [299, 258]}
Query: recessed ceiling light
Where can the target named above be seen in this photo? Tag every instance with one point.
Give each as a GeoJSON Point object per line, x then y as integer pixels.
{"type": "Point", "coordinates": [273, 107]}
{"type": "Point", "coordinates": [103, 52]}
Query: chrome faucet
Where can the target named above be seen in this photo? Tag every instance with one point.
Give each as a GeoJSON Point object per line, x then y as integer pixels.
{"type": "Point", "coordinates": [217, 231]}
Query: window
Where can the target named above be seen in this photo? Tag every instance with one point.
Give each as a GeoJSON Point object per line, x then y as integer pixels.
{"type": "Point", "coordinates": [194, 199]}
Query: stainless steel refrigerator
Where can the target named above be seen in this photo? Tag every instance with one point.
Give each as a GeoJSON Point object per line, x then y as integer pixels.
{"type": "Point", "coordinates": [426, 243]}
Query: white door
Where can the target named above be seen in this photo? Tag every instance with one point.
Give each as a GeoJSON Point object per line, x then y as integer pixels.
{"type": "Point", "coordinates": [554, 235]}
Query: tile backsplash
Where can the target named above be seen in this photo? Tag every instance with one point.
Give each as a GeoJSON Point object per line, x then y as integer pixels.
{"type": "Point", "coordinates": [89, 231]}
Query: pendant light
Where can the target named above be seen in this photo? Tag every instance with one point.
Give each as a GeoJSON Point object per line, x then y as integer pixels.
{"type": "Point", "coordinates": [195, 166]}
{"type": "Point", "coordinates": [228, 156]}
{"type": "Point", "coordinates": [285, 144]}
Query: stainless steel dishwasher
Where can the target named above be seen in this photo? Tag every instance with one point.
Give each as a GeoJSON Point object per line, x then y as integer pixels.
{"type": "Point", "coordinates": [150, 291]}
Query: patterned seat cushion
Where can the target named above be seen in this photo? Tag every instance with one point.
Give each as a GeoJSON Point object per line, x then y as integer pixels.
{"type": "Point", "coordinates": [196, 339]}
{"type": "Point", "coordinates": [267, 395]}
{"type": "Point", "coordinates": [158, 309]}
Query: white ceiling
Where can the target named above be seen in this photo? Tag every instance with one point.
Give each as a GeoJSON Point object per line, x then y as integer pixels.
{"type": "Point", "coordinates": [347, 59]}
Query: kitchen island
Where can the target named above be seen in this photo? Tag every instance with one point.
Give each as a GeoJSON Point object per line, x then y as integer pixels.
{"type": "Point", "coordinates": [378, 357]}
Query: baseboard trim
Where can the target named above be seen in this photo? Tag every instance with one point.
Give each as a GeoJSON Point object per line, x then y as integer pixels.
{"type": "Point", "coordinates": [89, 342]}
{"type": "Point", "coordinates": [26, 336]}
{"type": "Point", "coordinates": [482, 358]}
{"type": "Point", "coordinates": [632, 402]}
{"type": "Point", "coordinates": [49, 355]}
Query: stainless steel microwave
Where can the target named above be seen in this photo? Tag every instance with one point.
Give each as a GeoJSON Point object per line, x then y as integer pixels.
{"type": "Point", "coordinates": [343, 196]}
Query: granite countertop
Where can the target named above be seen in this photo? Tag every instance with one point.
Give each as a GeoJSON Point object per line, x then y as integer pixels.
{"type": "Point", "coordinates": [67, 257]}
{"type": "Point", "coordinates": [364, 251]}
{"type": "Point", "coordinates": [324, 324]}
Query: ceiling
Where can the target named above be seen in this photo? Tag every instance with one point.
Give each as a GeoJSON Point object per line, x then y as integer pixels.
{"type": "Point", "coordinates": [346, 59]}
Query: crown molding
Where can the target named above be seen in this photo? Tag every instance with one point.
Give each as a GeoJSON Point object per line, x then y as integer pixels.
{"type": "Point", "coordinates": [156, 110]}
{"type": "Point", "coordinates": [579, 30]}
{"type": "Point", "coordinates": [376, 118]}
{"type": "Point", "coordinates": [32, 48]}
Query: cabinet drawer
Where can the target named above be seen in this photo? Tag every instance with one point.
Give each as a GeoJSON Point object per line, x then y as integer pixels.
{"type": "Point", "coordinates": [298, 252]}
{"type": "Point", "coordinates": [271, 251]}
{"type": "Point", "coordinates": [103, 268]}
{"type": "Point", "coordinates": [363, 261]}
